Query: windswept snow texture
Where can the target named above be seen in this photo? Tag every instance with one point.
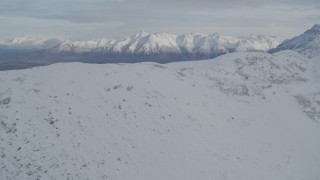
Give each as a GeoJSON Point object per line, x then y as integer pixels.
{"type": "Point", "coordinates": [243, 116]}
{"type": "Point", "coordinates": [308, 43]}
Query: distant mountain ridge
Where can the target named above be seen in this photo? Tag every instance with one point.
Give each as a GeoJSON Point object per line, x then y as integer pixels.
{"type": "Point", "coordinates": [28, 51]}
{"type": "Point", "coordinates": [195, 45]}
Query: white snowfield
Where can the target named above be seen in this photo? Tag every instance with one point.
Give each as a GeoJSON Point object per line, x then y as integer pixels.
{"type": "Point", "coordinates": [241, 116]}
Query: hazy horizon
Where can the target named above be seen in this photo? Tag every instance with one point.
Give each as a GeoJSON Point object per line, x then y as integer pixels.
{"type": "Point", "coordinates": [84, 19]}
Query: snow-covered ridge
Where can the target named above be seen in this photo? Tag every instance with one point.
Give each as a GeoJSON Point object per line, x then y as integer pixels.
{"type": "Point", "coordinates": [143, 43]}
{"type": "Point", "coordinates": [307, 43]}
{"type": "Point", "coordinates": [243, 116]}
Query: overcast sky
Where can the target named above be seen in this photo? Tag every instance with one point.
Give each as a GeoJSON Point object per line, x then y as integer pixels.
{"type": "Point", "coordinates": [88, 19]}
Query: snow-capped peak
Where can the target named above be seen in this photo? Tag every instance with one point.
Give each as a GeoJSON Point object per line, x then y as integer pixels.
{"type": "Point", "coordinates": [312, 33]}
{"type": "Point", "coordinates": [307, 43]}
{"type": "Point", "coordinates": [140, 34]}
{"type": "Point", "coordinates": [316, 28]}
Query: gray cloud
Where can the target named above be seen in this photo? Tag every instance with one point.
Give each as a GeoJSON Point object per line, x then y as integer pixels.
{"type": "Point", "coordinates": [116, 10]}
{"type": "Point", "coordinates": [122, 17]}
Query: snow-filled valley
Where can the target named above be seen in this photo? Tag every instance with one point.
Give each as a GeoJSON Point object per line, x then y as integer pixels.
{"type": "Point", "coordinates": [239, 116]}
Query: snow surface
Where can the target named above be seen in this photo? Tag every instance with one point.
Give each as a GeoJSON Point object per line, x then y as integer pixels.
{"type": "Point", "coordinates": [243, 116]}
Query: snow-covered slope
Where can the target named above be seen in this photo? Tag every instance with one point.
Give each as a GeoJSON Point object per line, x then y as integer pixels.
{"type": "Point", "coordinates": [308, 43]}
{"type": "Point", "coordinates": [240, 116]}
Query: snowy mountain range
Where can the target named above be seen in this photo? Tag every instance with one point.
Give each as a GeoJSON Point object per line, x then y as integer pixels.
{"type": "Point", "coordinates": [143, 43]}
{"type": "Point", "coordinates": [24, 52]}
{"type": "Point", "coordinates": [194, 44]}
